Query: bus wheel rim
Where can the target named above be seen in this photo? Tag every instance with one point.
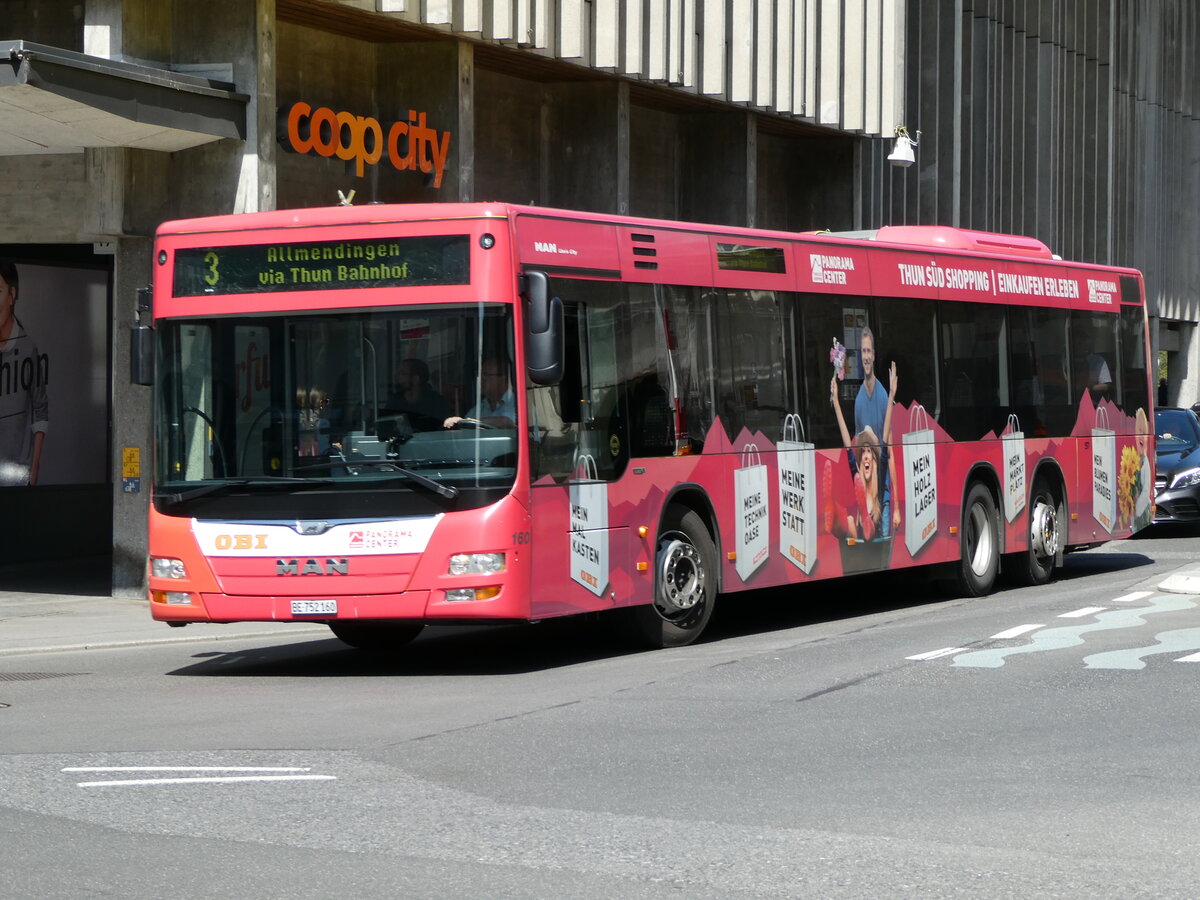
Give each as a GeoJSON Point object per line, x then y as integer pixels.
{"type": "Point", "coordinates": [1043, 524]}
{"type": "Point", "coordinates": [681, 576]}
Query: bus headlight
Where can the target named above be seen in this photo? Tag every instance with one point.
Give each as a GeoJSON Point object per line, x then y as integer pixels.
{"type": "Point", "coordinates": [161, 567]}
{"type": "Point", "coordinates": [476, 563]}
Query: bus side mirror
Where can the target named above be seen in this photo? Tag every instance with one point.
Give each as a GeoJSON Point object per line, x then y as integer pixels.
{"type": "Point", "coordinates": [141, 344]}
{"type": "Point", "coordinates": [543, 330]}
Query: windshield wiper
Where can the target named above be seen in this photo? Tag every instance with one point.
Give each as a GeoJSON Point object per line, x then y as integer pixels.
{"type": "Point", "coordinates": [220, 486]}
{"type": "Point", "coordinates": [445, 490]}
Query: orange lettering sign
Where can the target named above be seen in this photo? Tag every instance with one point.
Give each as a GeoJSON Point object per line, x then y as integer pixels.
{"type": "Point", "coordinates": [409, 146]}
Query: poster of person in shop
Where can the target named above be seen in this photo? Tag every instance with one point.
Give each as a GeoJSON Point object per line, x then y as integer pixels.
{"type": "Point", "coordinates": [24, 376]}
{"type": "Point", "coordinates": [49, 369]}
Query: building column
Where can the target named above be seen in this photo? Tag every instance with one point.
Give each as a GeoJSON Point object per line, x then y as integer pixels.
{"type": "Point", "coordinates": [131, 425]}
{"type": "Point", "coordinates": [436, 81]}
{"type": "Point", "coordinates": [585, 152]}
{"type": "Point", "coordinates": [720, 168]}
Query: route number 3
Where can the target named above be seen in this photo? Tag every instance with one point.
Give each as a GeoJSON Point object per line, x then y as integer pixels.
{"type": "Point", "coordinates": [212, 261]}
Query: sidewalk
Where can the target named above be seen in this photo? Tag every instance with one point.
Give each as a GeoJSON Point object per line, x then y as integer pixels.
{"type": "Point", "coordinates": [62, 605]}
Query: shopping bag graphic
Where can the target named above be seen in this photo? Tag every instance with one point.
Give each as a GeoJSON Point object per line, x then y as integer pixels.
{"type": "Point", "coordinates": [589, 527]}
{"type": "Point", "coordinates": [752, 512]}
{"type": "Point", "coordinates": [920, 480]}
{"type": "Point", "coordinates": [1013, 441]}
{"type": "Point", "coordinates": [797, 496]}
{"type": "Point", "coordinates": [1104, 471]}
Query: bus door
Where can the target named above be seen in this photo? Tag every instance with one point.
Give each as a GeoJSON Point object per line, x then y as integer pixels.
{"type": "Point", "coordinates": [580, 452]}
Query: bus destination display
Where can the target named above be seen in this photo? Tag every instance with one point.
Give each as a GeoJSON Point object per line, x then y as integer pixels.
{"type": "Point", "coordinates": [322, 265]}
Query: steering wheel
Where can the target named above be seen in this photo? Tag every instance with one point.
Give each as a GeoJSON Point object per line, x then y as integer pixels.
{"type": "Point", "coordinates": [472, 423]}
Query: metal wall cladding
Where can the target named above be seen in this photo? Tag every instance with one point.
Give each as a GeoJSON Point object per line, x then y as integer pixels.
{"type": "Point", "coordinates": [837, 63]}
{"type": "Point", "coordinates": [1069, 120]}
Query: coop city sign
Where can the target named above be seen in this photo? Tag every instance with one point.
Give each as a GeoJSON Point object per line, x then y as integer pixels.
{"type": "Point", "coordinates": [408, 146]}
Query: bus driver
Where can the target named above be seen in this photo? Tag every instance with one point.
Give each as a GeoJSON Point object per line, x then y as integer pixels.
{"type": "Point", "coordinates": [498, 407]}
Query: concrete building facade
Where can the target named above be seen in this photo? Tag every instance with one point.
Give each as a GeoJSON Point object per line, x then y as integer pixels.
{"type": "Point", "coordinates": [1070, 121]}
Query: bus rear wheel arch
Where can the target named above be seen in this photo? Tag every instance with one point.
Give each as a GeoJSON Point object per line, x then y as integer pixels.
{"type": "Point", "coordinates": [685, 582]}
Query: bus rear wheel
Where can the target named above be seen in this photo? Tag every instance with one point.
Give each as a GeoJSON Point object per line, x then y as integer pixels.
{"type": "Point", "coordinates": [979, 543]}
{"type": "Point", "coordinates": [685, 583]}
{"type": "Point", "coordinates": [375, 635]}
{"type": "Point", "coordinates": [1035, 565]}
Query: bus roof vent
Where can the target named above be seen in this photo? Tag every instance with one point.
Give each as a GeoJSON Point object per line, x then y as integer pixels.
{"type": "Point", "coordinates": [642, 252]}
{"type": "Point", "coordinates": [946, 238]}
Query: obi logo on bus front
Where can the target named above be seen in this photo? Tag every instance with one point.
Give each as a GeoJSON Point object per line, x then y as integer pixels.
{"type": "Point", "coordinates": [240, 542]}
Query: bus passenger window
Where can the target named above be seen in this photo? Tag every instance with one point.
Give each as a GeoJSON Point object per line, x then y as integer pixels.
{"type": "Point", "coordinates": [1133, 377]}
{"type": "Point", "coordinates": [1041, 393]}
{"type": "Point", "coordinates": [755, 362]}
{"type": "Point", "coordinates": [975, 395]}
{"type": "Point", "coordinates": [905, 334]}
{"type": "Point", "coordinates": [1093, 355]}
{"type": "Point", "coordinates": [691, 319]}
{"type": "Point", "coordinates": [823, 319]}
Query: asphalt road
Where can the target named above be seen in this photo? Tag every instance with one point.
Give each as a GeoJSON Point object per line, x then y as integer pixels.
{"type": "Point", "coordinates": [877, 737]}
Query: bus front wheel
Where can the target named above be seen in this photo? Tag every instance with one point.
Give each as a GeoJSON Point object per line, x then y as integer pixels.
{"type": "Point", "coordinates": [375, 635]}
{"type": "Point", "coordinates": [685, 583]}
{"type": "Point", "coordinates": [979, 543]}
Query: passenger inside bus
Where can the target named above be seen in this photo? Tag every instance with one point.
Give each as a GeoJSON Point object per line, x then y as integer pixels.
{"type": "Point", "coordinates": [313, 427]}
{"type": "Point", "coordinates": [414, 397]}
{"type": "Point", "coordinates": [1092, 369]}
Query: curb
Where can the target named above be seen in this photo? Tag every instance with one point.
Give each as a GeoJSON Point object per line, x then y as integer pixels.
{"type": "Point", "coordinates": [1181, 583]}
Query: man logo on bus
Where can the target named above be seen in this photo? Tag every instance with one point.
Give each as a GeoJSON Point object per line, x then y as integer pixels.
{"type": "Point", "coordinates": [312, 567]}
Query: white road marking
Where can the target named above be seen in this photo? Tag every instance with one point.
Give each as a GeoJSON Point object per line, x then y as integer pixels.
{"type": "Point", "coordinates": [1080, 613]}
{"type": "Point", "coordinates": [206, 780]}
{"type": "Point", "coordinates": [1015, 632]}
{"type": "Point", "coordinates": [1136, 595]}
{"type": "Point", "coordinates": [1195, 657]}
{"type": "Point", "coordinates": [188, 769]}
{"type": "Point", "coordinates": [935, 654]}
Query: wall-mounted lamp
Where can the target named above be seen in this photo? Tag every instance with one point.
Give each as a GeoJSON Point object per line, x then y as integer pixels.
{"type": "Point", "coordinates": [902, 153]}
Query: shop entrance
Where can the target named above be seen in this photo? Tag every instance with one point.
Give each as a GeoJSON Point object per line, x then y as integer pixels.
{"type": "Point", "coordinates": [55, 412]}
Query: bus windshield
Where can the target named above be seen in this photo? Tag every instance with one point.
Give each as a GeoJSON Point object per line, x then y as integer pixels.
{"type": "Point", "coordinates": [366, 410]}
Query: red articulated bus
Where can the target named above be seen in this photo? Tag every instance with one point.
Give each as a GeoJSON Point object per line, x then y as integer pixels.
{"type": "Point", "coordinates": [381, 417]}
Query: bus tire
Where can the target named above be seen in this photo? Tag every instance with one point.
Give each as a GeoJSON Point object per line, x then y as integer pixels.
{"type": "Point", "coordinates": [685, 583]}
{"type": "Point", "coordinates": [1036, 563]}
{"type": "Point", "coordinates": [979, 542]}
{"type": "Point", "coordinates": [375, 635]}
